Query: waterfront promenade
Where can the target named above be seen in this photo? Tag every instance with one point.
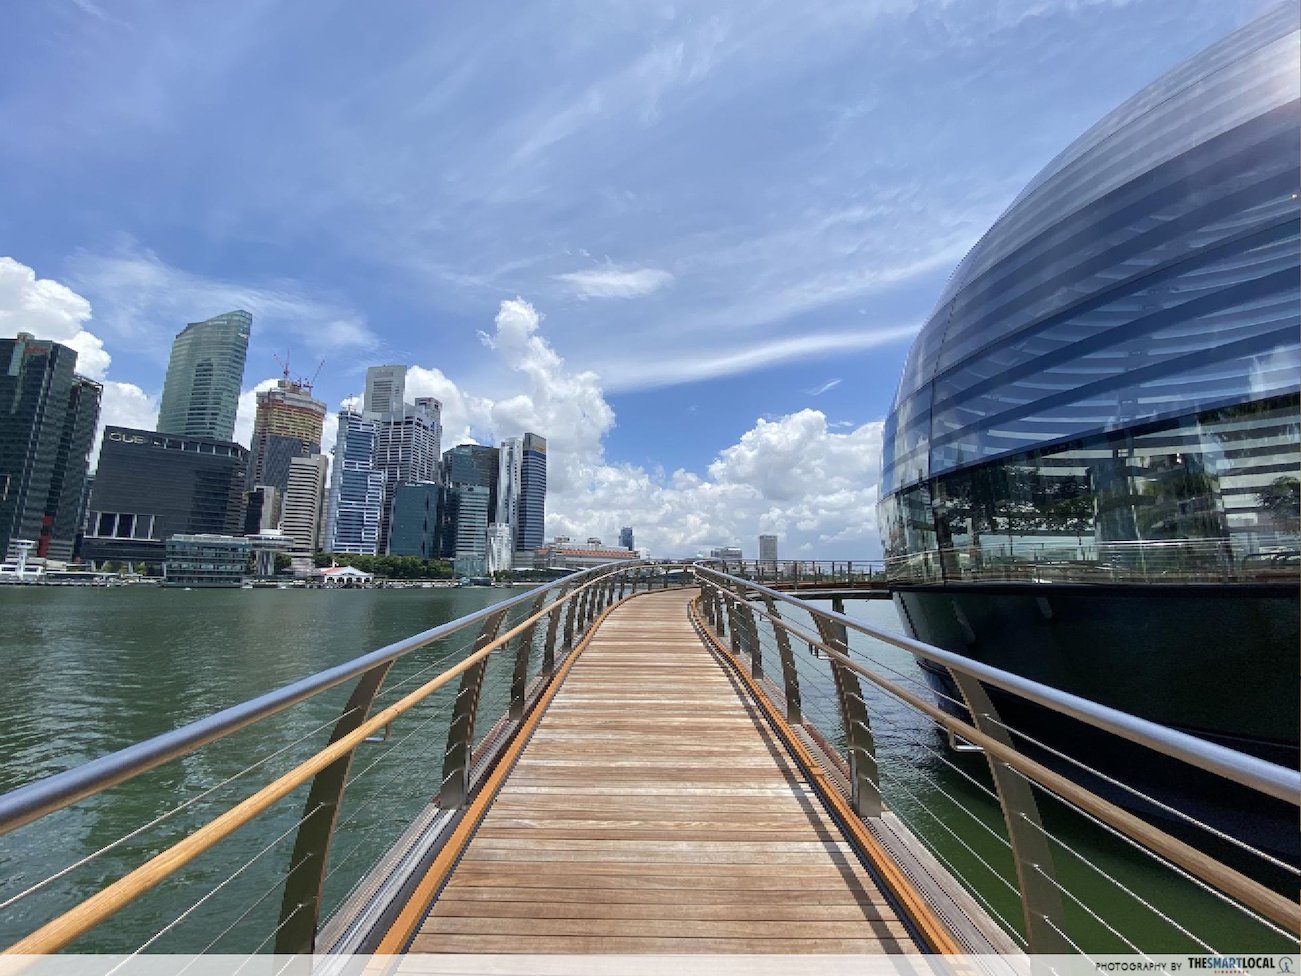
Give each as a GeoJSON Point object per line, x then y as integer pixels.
{"type": "Point", "coordinates": [634, 760]}
{"type": "Point", "coordinates": [654, 810]}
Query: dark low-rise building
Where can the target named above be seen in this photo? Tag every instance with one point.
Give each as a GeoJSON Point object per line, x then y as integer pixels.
{"type": "Point", "coordinates": [151, 486]}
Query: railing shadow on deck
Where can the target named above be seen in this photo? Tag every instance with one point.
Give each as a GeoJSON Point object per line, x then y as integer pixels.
{"type": "Point", "coordinates": [358, 802]}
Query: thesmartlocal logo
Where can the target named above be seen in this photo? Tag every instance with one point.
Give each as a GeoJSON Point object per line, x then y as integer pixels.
{"type": "Point", "coordinates": [1283, 965]}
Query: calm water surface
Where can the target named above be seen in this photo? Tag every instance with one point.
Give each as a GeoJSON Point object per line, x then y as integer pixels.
{"type": "Point", "coordinates": [88, 671]}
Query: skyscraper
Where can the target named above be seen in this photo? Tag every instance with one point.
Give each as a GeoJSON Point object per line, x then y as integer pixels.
{"type": "Point", "coordinates": [416, 515]}
{"type": "Point", "coordinates": [625, 537]}
{"type": "Point", "coordinates": [304, 499]}
{"type": "Point", "coordinates": [385, 389]}
{"type": "Point", "coordinates": [151, 486]}
{"type": "Point", "coordinates": [355, 503]}
{"type": "Point", "coordinates": [287, 425]}
{"type": "Point", "coordinates": [407, 442]}
{"type": "Point", "coordinates": [473, 464]}
{"type": "Point", "coordinates": [509, 460]}
{"type": "Point", "coordinates": [201, 391]}
{"type": "Point", "coordinates": [768, 549]}
{"type": "Point", "coordinates": [530, 529]}
{"type": "Point", "coordinates": [47, 426]}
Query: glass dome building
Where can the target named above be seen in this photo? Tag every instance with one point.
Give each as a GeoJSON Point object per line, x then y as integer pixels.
{"type": "Point", "coordinates": [1090, 471]}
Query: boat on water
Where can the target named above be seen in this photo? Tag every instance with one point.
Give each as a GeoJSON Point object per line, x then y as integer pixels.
{"type": "Point", "coordinates": [1090, 471]}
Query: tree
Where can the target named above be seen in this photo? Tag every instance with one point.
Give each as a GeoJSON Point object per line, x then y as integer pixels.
{"type": "Point", "coordinates": [1281, 498]}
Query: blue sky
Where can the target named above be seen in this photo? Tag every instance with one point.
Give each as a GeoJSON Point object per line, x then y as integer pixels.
{"type": "Point", "coordinates": [687, 242]}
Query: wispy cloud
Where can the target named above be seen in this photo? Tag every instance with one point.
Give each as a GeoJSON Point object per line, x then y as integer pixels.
{"type": "Point", "coordinates": [140, 297]}
{"type": "Point", "coordinates": [612, 282]}
{"type": "Point", "coordinates": [824, 387]}
{"type": "Point", "coordinates": [688, 367]}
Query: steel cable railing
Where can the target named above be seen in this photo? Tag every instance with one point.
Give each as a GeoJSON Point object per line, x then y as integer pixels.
{"type": "Point", "coordinates": [879, 715]}
{"type": "Point", "coordinates": [727, 603]}
{"type": "Point", "coordinates": [894, 784]}
{"type": "Point", "coordinates": [520, 640]}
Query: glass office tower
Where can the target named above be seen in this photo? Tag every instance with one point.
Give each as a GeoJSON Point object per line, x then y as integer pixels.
{"type": "Point", "coordinates": [531, 526]}
{"type": "Point", "coordinates": [201, 391]}
{"type": "Point", "coordinates": [47, 427]}
{"type": "Point", "coordinates": [1090, 473]}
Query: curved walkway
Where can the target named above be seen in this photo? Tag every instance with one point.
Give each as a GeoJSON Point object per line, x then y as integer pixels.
{"type": "Point", "coordinates": [654, 811]}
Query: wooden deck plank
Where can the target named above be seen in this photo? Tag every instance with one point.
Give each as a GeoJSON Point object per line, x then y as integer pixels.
{"type": "Point", "coordinates": [654, 811]}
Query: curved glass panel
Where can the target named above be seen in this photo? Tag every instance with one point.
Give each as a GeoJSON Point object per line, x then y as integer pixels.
{"type": "Point", "coordinates": [1140, 295]}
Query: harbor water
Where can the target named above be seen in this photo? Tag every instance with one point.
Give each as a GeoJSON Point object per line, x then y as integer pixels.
{"type": "Point", "coordinates": [87, 671]}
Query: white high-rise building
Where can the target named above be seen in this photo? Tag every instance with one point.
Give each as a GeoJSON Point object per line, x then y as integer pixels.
{"type": "Point", "coordinates": [386, 388]}
{"type": "Point", "coordinates": [509, 483]}
{"type": "Point", "coordinates": [304, 499]}
{"type": "Point", "coordinates": [501, 543]}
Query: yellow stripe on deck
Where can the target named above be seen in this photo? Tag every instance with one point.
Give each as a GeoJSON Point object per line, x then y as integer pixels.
{"type": "Point", "coordinates": [653, 811]}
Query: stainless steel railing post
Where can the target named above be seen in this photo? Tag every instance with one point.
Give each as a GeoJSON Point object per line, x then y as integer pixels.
{"type": "Point", "coordinates": [458, 757]}
{"type": "Point", "coordinates": [523, 651]}
{"type": "Point", "coordinates": [300, 903]}
{"type": "Point", "coordinates": [1041, 902]}
{"type": "Point", "coordinates": [549, 645]}
{"type": "Point", "coordinates": [751, 627]}
{"type": "Point", "coordinates": [864, 784]}
{"type": "Point", "coordinates": [790, 675]}
{"type": "Point", "coordinates": [570, 610]}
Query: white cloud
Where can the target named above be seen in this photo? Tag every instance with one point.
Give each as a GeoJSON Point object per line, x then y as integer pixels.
{"type": "Point", "coordinates": [822, 388]}
{"type": "Point", "coordinates": [794, 476]}
{"type": "Point", "coordinates": [612, 282]}
{"type": "Point", "coordinates": [685, 366]}
{"type": "Point", "coordinates": [50, 310]}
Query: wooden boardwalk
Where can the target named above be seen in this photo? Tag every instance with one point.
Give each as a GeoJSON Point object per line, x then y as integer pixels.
{"type": "Point", "coordinates": [653, 810]}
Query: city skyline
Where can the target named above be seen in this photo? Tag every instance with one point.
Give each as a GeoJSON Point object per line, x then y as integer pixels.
{"type": "Point", "coordinates": [704, 319]}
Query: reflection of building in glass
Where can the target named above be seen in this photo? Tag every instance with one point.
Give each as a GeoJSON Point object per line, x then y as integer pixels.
{"type": "Point", "coordinates": [151, 486]}
{"type": "Point", "coordinates": [355, 502]}
{"type": "Point", "coordinates": [47, 427]}
{"type": "Point", "coordinates": [1106, 396]}
{"type": "Point", "coordinates": [201, 391]}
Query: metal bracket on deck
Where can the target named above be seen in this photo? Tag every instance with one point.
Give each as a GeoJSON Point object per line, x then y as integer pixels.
{"type": "Point", "coordinates": [523, 650]}
{"type": "Point", "coordinates": [864, 784]}
{"type": "Point", "coordinates": [790, 675]}
{"type": "Point", "coordinates": [300, 904]}
{"type": "Point", "coordinates": [455, 788]}
{"type": "Point", "coordinates": [1041, 902]}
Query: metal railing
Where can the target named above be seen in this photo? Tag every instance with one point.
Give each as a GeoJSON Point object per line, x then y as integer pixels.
{"type": "Point", "coordinates": [433, 730]}
{"type": "Point", "coordinates": [805, 572]}
{"type": "Point", "coordinates": [1169, 561]}
{"type": "Point", "coordinates": [804, 658]}
{"type": "Point", "coordinates": [500, 658]}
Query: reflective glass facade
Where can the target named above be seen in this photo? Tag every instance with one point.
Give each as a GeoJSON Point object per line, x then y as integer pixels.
{"type": "Point", "coordinates": [47, 427]}
{"type": "Point", "coordinates": [1108, 386]}
{"type": "Point", "coordinates": [151, 486]}
{"type": "Point", "coordinates": [531, 527]}
{"type": "Point", "coordinates": [204, 373]}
